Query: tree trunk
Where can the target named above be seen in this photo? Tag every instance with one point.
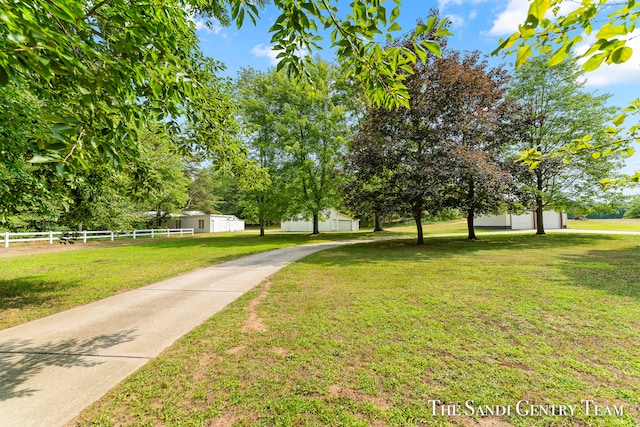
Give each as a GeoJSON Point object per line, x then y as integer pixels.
{"type": "Point", "coordinates": [539, 220]}
{"type": "Point", "coordinates": [158, 215]}
{"type": "Point", "coordinates": [539, 204]}
{"type": "Point", "coordinates": [417, 216]}
{"type": "Point", "coordinates": [472, 232]}
{"type": "Point", "coordinates": [316, 229]}
{"type": "Point", "coordinates": [261, 227]}
{"type": "Point", "coordinates": [471, 210]}
{"type": "Point", "coordinates": [378, 225]}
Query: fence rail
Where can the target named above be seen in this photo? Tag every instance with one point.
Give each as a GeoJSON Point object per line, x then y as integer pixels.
{"type": "Point", "coordinates": [73, 236]}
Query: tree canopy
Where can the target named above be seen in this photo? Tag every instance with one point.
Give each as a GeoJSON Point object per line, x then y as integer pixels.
{"type": "Point", "coordinates": [556, 111]}
{"type": "Point", "coordinates": [296, 131]}
{"type": "Point", "coordinates": [110, 64]}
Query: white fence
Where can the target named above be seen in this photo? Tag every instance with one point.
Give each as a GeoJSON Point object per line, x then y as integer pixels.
{"type": "Point", "coordinates": [72, 236]}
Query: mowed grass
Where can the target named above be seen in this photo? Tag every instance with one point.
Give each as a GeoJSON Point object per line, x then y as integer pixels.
{"type": "Point", "coordinates": [39, 284]}
{"type": "Point", "coordinates": [622, 224]}
{"type": "Point", "coordinates": [370, 334]}
{"type": "Point", "coordinates": [456, 226]}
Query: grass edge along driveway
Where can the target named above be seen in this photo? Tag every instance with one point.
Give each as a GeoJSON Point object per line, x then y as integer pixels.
{"type": "Point", "coordinates": [37, 285]}
{"type": "Point", "coordinates": [374, 334]}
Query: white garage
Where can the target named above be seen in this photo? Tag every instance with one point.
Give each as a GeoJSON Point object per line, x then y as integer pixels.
{"type": "Point", "coordinates": [526, 221]}
{"type": "Point", "coordinates": [330, 220]}
{"type": "Point", "coordinates": [206, 223]}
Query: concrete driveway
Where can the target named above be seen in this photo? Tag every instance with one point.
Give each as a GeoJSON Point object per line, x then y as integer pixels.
{"type": "Point", "coordinates": [52, 368]}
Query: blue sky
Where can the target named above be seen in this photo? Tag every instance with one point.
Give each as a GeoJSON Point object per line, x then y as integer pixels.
{"type": "Point", "coordinates": [476, 24]}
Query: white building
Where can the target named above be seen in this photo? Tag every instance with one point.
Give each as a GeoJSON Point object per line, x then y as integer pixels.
{"type": "Point", "coordinates": [330, 220]}
{"type": "Point", "coordinates": [205, 223]}
{"type": "Point", "coordinates": [526, 221]}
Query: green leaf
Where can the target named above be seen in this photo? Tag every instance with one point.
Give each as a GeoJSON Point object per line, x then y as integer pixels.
{"type": "Point", "coordinates": [394, 13]}
{"type": "Point", "coordinates": [608, 31]}
{"type": "Point", "coordinates": [62, 128]}
{"type": "Point", "coordinates": [596, 155]}
{"type": "Point", "coordinates": [41, 159]}
{"type": "Point", "coordinates": [432, 47]}
{"type": "Point", "coordinates": [240, 18]}
{"type": "Point", "coordinates": [394, 27]}
{"type": "Point", "coordinates": [523, 53]}
{"type": "Point", "coordinates": [619, 119]}
{"type": "Point", "coordinates": [594, 62]}
{"type": "Point", "coordinates": [559, 56]}
{"type": "Point", "coordinates": [506, 44]}
{"type": "Point", "coordinates": [4, 76]}
{"type": "Point", "coordinates": [538, 9]}
{"type": "Point", "coordinates": [621, 54]}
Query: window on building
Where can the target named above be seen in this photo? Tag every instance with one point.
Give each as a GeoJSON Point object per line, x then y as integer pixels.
{"type": "Point", "coordinates": [201, 224]}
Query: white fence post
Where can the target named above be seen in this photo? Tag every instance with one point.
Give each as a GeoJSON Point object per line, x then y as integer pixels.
{"type": "Point", "coordinates": [51, 237]}
{"type": "Point", "coordinates": [112, 234]}
{"type": "Point", "coordinates": [134, 234]}
{"type": "Point", "coordinates": [168, 232]}
{"type": "Point", "coordinates": [84, 236]}
{"type": "Point", "coordinates": [6, 240]}
{"type": "Point", "coordinates": [152, 230]}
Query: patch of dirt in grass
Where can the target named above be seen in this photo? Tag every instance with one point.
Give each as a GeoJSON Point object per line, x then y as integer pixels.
{"type": "Point", "coordinates": [236, 350]}
{"type": "Point", "coordinates": [253, 322]}
{"type": "Point", "coordinates": [227, 419]}
{"type": "Point", "coordinates": [32, 248]}
{"type": "Point", "coordinates": [483, 422]}
{"type": "Point", "coordinates": [357, 396]}
{"type": "Point", "coordinates": [282, 352]}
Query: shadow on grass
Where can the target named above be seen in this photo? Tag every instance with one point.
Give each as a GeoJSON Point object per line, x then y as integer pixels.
{"type": "Point", "coordinates": [446, 247]}
{"type": "Point", "coordinates": [28, 291]}
{"type": "Point", "coordinates": [616, 272]}
{"type": "Point", "coordinates": [21, 360]}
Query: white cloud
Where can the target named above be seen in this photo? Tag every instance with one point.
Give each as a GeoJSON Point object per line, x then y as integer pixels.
{"type": "Point", "coordinates": [615, 73]}
{"type": "Point", "coordinates": [457, 21]}
{"type": "Point", "coordinates": [213, 26]}
{"type": "Point", "coordinates": [506, 23]}
{"type": "Point", "coordinates": [264, 51]}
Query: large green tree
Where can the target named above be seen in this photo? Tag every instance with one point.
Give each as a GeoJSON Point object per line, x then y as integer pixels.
{"type": "Point", "coordinates": [262, 97]}
{"type": "Point", "coordinates": [296, 132]}
{"type": "Point", "coordinates": [557, 111]}
{"type": "Point", "coordinates": [313, 128]}
{"type": "Point", "coordinates": [477, 127]}
{"type": "Point", "coordinates": [159, 182]}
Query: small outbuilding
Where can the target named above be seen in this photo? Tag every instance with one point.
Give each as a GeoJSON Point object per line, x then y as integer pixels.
{"type": "Point", "coordinates": [330, 220]}
{"type": "Point", "coordinates": [526, 221]}
{"type": "Point", "coordinates": [206, 223]}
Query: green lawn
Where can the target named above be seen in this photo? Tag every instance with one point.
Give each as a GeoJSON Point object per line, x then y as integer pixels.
{"type": "Point", "coordinates": [606, 224]}
{"type": "Point", "coordinates": [40, 284]}
{"type": "Point", "coordinates": [457, 226]}
{"type": "Point", "coordinates": [370, 334]}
